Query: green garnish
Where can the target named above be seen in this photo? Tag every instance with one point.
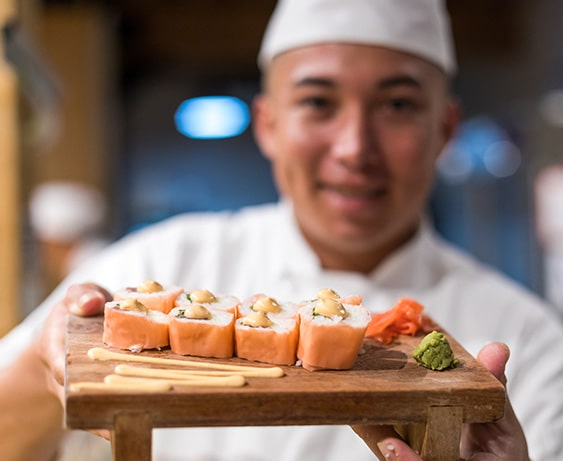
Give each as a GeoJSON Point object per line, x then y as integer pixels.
{"type": "Point", "coordinates": [434, 352]}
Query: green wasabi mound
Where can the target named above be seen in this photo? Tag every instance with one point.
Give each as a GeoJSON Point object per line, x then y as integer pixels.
{"type": "Point", "coordinates": [434, 352]}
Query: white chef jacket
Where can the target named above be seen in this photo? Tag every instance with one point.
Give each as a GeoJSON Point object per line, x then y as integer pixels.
{"type": "Point", "coordinates": [259, 249]}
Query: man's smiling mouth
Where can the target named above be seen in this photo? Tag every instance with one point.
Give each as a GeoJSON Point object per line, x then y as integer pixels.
{"type": "Point", "coordinates": [354, 192]}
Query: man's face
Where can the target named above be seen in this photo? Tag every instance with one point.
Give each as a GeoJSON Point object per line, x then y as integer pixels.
{"type": "Point", "coordinates": [353, 133]}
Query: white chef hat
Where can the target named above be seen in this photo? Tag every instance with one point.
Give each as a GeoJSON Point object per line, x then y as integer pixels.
{"type": "Point", "coordinates": [420, 27]}
{"type": "Point", "coordinates": [63, 211]}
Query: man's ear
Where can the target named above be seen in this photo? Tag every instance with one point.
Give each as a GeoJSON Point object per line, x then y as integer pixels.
{"type": "Point", "coordinates": [452, 118]}
{"type": "Point", "coordinates": [451, 121]}
{"type": "Point", "coordinates": [263, 124]}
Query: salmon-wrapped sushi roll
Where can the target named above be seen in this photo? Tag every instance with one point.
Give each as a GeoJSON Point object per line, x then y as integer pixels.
{"type": "Point", "coordinates": [129, 324]}
{"type": "Point", "coordinates": [263, 303]}
{"type": "Point", "coordinates": [197, 330]}
{"type": "Point", "coordinates": [209, 300]}
{"type": "Point", "coordinates": [152, 294]}
{"type": "Point", "coordinates": [263, 339]}
{"type": "Point", "coordinates": [331, 334]}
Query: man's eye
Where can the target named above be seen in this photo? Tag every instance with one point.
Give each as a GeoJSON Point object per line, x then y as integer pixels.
{"type": "Point", "coordinates": [315, 102]}
{"type": "Point", "coordinates": [402, 105]}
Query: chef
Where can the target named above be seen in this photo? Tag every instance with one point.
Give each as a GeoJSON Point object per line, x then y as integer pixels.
{"type": "Point", "coordinates": [354, 112]}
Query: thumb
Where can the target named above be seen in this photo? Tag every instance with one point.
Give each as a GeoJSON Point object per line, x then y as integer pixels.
{"type": "Point", "coordinates": [495, 356]}
{"type": "Point", "coordinates": [86, 299]}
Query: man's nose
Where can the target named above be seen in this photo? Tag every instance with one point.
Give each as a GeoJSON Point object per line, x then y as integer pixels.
{"type": "Point", "coordinates": [354, 140]}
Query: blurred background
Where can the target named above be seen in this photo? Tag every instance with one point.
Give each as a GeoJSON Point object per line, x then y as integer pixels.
{"type": "Point", "coordinates": [98, 108]}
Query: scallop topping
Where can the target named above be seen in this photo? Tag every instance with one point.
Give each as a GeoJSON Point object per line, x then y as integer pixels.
{"type": "Point", "coordinates": [256, 320]}
{"type": "Point", "coordinates": [267, 305]}
{"type": "Point", "coordinates": [328, 293]}
{"type": "Point", "coordinates": [201, 296]}
{"type": "Point", "coordinates": [195, 312]}
{"type": "Point", "coordinates": [149, 286]}
{"type": "Point", "coordinates": [329, 308]}
{"type": "Point", "coordinates": [132, 304]}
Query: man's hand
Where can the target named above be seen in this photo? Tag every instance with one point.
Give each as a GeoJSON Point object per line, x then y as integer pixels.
{"type": "Point", "coordinates": [84, 300]}
{"type": "Point", "coordinates": [497, 441]}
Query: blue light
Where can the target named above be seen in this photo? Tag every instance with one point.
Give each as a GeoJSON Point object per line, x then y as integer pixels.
{"type": "Point", "coordinates": [482, 148]}
{"type": "Point", "coordinates": [212, 117]}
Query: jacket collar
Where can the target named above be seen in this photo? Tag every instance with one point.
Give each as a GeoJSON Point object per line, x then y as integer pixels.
{"type": "Point", "coordinates": [409, 268]}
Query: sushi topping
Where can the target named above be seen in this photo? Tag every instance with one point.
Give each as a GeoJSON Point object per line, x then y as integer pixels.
{"type": "Point", "coordinates": [257, 319]}
{"type": "Point", "coordinates": [149, 286]}
{"type": "Point", "coordinates": [201, 296]}
{"type": "Point", "coordinates": [196, 312]}
{"type": "Point", "coordinates": [132, 304]}
{"type": "Point", "coordinates": [266, 304]}
{"type": "Point", "coordinates": [328, 293]}
{"type": "Point", "coordinates": [329, 308]}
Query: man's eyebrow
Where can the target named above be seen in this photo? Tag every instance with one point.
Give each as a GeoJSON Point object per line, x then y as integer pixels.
{"type": "Point", "coordinates": [386, 83]}
{"type": "Point", "coordinates": [399, 80]}
{"type": "Point", "coordinates": [315, 81]}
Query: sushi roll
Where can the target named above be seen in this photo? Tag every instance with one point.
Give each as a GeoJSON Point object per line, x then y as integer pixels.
{"type": "Point", "coordinates": [152, 294]}
{"type": "Point", "coordinates": [197, 330]}
{"type": "Point", "coordinates": [129, 324]}
{"type": "Point", "coordinates": [331, 333]}
{"type": "Point", "coordinates": [262, 337]}
{"type": "Point", "coordinates": [209, 300]}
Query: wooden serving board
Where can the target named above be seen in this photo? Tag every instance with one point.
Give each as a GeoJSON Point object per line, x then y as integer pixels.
{"type": "Point", "coordinates": [385, 386]}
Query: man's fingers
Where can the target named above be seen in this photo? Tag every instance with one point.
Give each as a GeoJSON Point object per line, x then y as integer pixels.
{"type": "Point", "coordinates": [103, 433]}
{"type": "Point", "coordinates": [393, 448]}
{"type": "Point", "coordinates": [86, 299]}
{"type": "Point", "coordinates": [385, 443]}
{"type": "Point", "coordinates": [49, 349]}
{"type": "Point", "coordinates": [495, 356]}
{"type": "Point", "coordinates": [52, 342]}
{"type": "Point", "coordinates": [372, 435]}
